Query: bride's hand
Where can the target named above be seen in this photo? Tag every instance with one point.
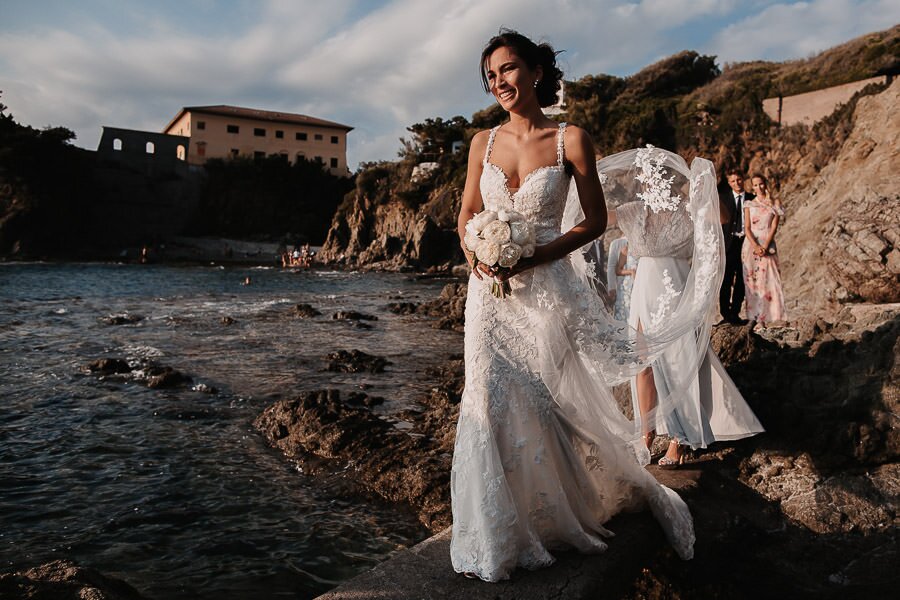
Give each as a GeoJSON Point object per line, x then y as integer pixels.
{"type": "Point", "coordinates": [480, 270]}
{"type": "Point", "coordinates": [523, 265]}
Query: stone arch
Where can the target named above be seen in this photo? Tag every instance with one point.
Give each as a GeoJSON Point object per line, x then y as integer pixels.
{"type": "Point", "coordinates": [150, 148]}
{"type": "Point", "coordinates": [117, 144]}
{"type": "Point", "coordinates": [180, 152]}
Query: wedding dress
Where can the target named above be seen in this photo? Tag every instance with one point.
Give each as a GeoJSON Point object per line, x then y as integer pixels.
{"type": "Point", "coordinates": [544, 457]}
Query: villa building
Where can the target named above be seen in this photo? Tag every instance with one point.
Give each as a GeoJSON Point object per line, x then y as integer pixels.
{"type": "Point", "coordinates": [231, 131]}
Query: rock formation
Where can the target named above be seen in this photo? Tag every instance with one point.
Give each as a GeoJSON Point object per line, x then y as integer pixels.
{"type": "Point", "coordinates": [65, 580]}
{"type": "Point", "coordinates": [839, 241]}
{"type": "Point", "coordinates": [381, 459]}
{"type": "Point", "coordinates": [392, 223]}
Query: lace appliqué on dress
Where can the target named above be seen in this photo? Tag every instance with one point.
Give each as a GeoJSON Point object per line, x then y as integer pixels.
{"type": "Point", "coordinates": [657, 195]}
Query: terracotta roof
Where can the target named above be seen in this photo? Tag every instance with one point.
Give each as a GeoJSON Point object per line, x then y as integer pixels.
{"type": "Point", "coordinates": [262, 115]}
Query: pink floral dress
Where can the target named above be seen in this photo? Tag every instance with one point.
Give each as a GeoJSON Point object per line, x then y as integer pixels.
{"type": "Point", "coordinates": [762, 277]}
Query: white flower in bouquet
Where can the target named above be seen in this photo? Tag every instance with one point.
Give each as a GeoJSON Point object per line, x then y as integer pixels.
{"type": "Point", "coordinates": [487, 252]}
{"type": "Point", "coordinates": [509, 254]}
{"type": "Point", "coordinates": [480, 220]}
{"type": "Point", "coordinates": [509, 216]}
{"type": "Point", "coordinates": [471, 240]}
{"type": "Point", "coordinates": [496, 231]}
{"type": "Point", "coordinates": [521, 233]}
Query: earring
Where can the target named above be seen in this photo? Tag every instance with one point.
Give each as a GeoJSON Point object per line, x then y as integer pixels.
{"type": "Point", "coordinates": [536, 82]}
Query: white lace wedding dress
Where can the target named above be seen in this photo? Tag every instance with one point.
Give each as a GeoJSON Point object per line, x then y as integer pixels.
{"type": "Point", "coordinates": [543, 456]}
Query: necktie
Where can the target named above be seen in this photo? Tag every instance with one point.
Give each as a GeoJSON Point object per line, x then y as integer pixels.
{"type": "Point", "coordinates": [738, 201]}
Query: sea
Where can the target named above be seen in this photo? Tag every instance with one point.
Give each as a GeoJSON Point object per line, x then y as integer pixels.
{"type": "Point", "coordinates": [173, 490]}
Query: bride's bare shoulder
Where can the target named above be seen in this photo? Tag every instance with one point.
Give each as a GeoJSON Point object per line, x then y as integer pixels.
{"type": "Point", "coordinates": [479, 141]}
{"type": "Point", "coordinates": [579, 146]}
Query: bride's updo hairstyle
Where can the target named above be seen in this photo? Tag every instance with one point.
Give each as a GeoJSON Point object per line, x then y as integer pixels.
{"type": "Point", "coordinates": [533, 54]}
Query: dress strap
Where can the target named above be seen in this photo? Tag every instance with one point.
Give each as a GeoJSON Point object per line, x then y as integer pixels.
{"type": "Point", "coordinates": [490, 144]}
{"type": "Point", "coordinates": [560, 144]}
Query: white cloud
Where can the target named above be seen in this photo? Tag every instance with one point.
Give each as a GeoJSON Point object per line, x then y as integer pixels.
{"type": "Point", "coordinates": [797, 30]}
{"type": "Point", "coordinates": [398, 63]}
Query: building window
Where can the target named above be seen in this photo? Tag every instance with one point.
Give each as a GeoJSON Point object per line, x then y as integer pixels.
{"type": "Point", "coordinates": [279, 134]}
{"type": "Point", "coordinates": [301, 156]}
{"type": "Point", "coordinates": [319, 160]}
{"type": "Point", "coordinates": [201, 124]}
{"type": "Point", "coordinates": [235, 153]}
{"type": "Point", "coordinates": [201, 149]}
{"type": "Point", "coordinates": [259, 132]}
{"type": "Point", "coordinates": [301, 137]}
{"type": "Point", "coordinates": [117, 144]}
{"type": "Point", "coordinates": [150, 148]}
{"type": "Point", "coordinates": [334, 139]}
{"type": "Point", "coordinates": [259, 155]}
{"type": "Point", "coordinates": [334, 163]}
{"type": "Point", "coordinates": [233, 128]}
{"type": "Point", "coordinates": [318, 137]}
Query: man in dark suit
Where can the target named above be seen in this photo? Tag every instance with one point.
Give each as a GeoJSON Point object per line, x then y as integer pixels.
{"type": "Point", "coordinates": [731, 295]}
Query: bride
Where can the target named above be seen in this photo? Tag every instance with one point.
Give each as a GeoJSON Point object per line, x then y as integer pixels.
{"type": "Point", "coordinates": [543, 456]}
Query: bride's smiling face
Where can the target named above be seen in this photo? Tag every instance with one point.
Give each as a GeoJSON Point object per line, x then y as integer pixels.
{"type": "Point", "coordinates": [510, 79]}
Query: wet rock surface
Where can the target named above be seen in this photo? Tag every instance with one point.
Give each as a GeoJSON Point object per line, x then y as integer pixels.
{"type": "Point", "coordinates": [355, 361]}
{"type": "Point", "coordinates": [122, 319]}
{"type": "Point", "coordinates": [146, 373]}
{"type": "Point", "coordinates": [352, 315]}
{"type": "Point", "coordinates": [65, 580]}
{"type": "Point", "coordinates": [108, 366]}
{"type": "Point", "coordinates": [378, 457]}
{"type": "Point", "coordinates": [448, 308]}
{"type": "Point", "coordinates": [304, 311]}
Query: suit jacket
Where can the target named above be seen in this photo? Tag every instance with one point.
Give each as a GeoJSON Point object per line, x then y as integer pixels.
{"type": "Point", "coordinates": [732, 224]}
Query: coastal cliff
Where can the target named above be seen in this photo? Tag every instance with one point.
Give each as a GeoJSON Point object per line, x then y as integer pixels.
{"type": "Point", "coordinates": [381, 225]}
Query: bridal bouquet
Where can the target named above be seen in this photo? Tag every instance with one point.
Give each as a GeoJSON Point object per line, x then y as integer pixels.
{"type": "Point", "coordinates": [499, 239]}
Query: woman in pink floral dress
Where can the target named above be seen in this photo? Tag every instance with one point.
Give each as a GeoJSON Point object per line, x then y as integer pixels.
{"type": "Point", "coordinates": [762, 277]}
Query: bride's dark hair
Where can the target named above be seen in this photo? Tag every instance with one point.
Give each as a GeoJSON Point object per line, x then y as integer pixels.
{"type": "Point", "coordinates": [533, 54]}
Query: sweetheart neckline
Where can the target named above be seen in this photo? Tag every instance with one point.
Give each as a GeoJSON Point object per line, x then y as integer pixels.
{"type": "Point", "coordinates": [522, 182]}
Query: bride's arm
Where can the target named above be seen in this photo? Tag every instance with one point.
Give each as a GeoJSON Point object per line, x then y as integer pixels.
{"type": "Point", "coordinates": [580, 153]}
{"type": "Point", "coordinates": [471, 198]}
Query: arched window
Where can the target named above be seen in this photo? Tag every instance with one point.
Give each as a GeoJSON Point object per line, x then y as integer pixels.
{"type": "Point", "coordinates": [151, 149]}
{"type": "Point", "coordinates": [117, 144]}
{"type": "Point", "coordinates": [179, 152]}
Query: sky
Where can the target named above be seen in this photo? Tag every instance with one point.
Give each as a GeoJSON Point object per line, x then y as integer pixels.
{"type": "Point", "coordinates": [378, 66]}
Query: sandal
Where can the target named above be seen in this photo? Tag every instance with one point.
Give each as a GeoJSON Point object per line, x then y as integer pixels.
{"type": "Point", "coordinates": [672, 463]}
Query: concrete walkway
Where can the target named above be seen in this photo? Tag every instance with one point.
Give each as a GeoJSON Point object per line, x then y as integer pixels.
{"type": "Point", "coordinates": [423, 572]}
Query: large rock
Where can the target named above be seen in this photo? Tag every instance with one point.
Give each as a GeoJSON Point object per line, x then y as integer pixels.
{"type": "Point", "coordinates": [65, 580]}
{"type": "Point", "coordinates": [388, 223]}
{"type": "Point", "coordinates": [449, 307]}
{"type": "Point", "coordinates": [380, 458]}
{"type": "Point", "coordinates": [830, 455]}
{"type": "Point", "coordinates": [355, 361]}
{"type": "Point", "coordinates": [839, 241]}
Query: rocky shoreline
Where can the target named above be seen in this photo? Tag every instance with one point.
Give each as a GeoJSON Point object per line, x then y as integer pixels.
{"type": "Point", "coordinates": [821, 487]}
{"type": "Point", "coordinates": [812, 507]}
{"type": "Point", "coordinates": [323, 430]}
